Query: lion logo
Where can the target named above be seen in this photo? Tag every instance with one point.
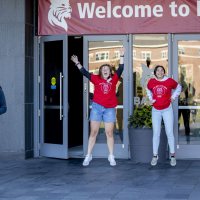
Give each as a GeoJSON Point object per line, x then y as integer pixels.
{"type": "Point", "coordinates": [105, 87]}
{"type": "Point", "coordinates": [58, 12]}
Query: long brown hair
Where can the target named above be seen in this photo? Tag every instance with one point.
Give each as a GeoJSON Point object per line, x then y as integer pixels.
{"type": "Point", "coordinates": [104, 65]}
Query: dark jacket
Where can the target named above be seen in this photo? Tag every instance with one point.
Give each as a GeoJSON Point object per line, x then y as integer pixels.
{"type": "Point", "coordinates": [3, 107]}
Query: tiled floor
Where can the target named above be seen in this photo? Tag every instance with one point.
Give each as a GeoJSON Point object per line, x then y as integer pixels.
{"type": "Point", "coordinates": [55, 179]}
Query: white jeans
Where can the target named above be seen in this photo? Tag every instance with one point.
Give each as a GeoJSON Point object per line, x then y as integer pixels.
{"type": "Point", "coordinates": [168, 118]}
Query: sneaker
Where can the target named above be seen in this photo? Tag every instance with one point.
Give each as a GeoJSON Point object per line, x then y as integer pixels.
{"type": "Point", "coordinates": [154, 160]}
{"type": "Point", "coordinates": [173, 161]}
{"type": "Point", "coordinates": [87, 160]}
{"type": "Point", "coordinates": [111, 159]}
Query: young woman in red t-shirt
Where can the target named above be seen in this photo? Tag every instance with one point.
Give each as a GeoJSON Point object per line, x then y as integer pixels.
{"type": "Point", "coordinates": [103, 105]}
{"type": "Point", "coordinates": [159, 91]}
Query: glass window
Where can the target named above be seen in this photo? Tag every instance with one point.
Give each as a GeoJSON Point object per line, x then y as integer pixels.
{"type": "Point", "coordinates": [189, 99]}
{"type": "Point", "coordinates": [164, 54]}
{"type": "Point", "coordinates": [150, 47]}
{"type": "Point", "coordinates": [116, 55]}
{"type": "Point", "coordinates": [181, 50]}
{"type": "Point", "coordinates": [102, 56]}
{"type": "Point", "coordinates": [145, 55]}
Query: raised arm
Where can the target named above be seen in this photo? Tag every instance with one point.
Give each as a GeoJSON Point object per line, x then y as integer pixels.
{"type": "Point", "coordinates": [121, 62]}
{"type": "Point", "coordinates": [74, 58]}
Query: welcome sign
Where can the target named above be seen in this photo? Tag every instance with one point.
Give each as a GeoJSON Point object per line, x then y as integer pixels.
{"type": "Point", "coordinates": [78, 17]}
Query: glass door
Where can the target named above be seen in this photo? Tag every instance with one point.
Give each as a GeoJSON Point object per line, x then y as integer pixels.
{"type": "Point", "coordinates": [187, 71]}
{"type": "Point", "coordinates": [53, 97]}
{"type": "Point", "coordinates": [100, 50]}
{"type": "Point", "coordinates": [149, 50]}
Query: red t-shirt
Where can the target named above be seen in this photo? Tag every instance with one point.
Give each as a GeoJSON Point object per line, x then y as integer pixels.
{"type": "Point", "coordinates": [105, 92]}
{"type": "Point", "coordinates": [162, 92]}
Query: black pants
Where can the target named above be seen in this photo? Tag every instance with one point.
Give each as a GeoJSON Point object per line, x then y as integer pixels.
{"type": "Point", "coordinates": [186, 119]}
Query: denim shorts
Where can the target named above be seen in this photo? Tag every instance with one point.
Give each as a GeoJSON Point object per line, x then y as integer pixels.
{"type": "Point", "coordinates": [100, 113]}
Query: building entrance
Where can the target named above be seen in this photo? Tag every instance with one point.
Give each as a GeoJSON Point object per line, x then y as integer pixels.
{"type": "Point", "coordinates": [66, 96]}
{"type": "Point", "coordinates": [61, 98]}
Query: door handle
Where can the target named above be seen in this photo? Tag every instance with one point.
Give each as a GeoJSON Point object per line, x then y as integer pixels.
{"type": "Point", "coordinates": [87, 101]}
{"type": "Point", "coordinates": [61, 91]}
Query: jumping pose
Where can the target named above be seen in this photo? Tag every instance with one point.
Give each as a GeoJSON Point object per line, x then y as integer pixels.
{"type": "Point", "coordinates": [103, 105]}
{"type": "Point", "coordinates": [159, 91]}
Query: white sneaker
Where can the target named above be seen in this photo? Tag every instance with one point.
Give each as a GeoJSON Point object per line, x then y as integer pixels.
{"type": "Point", "coordinates": [111, 159]}
{"type": "Point", "coordinates": [154, 160]}
{"type": "Point", "coordinates": [87, 160]}
{"type": "Point", "coordinates": [173, 161]}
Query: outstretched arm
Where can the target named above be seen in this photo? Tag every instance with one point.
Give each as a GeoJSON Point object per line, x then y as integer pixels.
{"type": "Point", "coordinates": [121, 63]}
{"type": "Point", "coordinates": [74, 58]}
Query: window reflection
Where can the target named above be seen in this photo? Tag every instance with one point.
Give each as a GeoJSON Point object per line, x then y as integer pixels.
{"type": "Point", "coordinates": [189, 100]}
{"type": "Point", "coordinates": [149, 50]}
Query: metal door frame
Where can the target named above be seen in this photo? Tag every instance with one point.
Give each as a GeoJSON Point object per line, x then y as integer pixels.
{"type": "Point", "coordinates": [54, 150]}
{"type": "Point", "coordinates": [183, 151]}
{"type": "Point", "coordinates": [120, 150]}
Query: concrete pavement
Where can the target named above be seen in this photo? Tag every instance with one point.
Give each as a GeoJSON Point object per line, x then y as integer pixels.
{"type": "Point", "coordinates": [56, 179]}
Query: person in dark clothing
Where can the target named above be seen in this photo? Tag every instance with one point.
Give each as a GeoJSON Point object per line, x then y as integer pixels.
{"type": "Point", "coordinates": [183, 101]}
{"type": "Point", "coordinates": [3, 107]}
